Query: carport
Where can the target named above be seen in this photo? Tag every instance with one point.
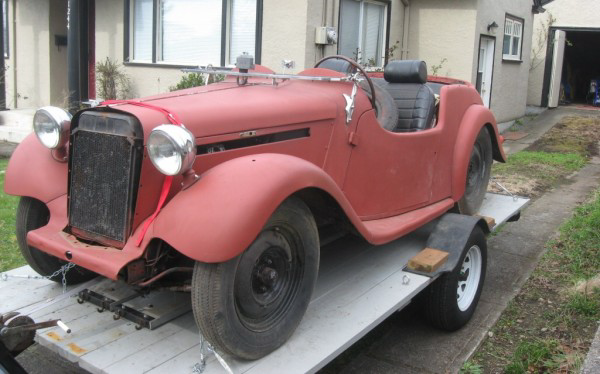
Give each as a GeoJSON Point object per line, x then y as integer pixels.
{"type": "Point", "coordinates": [572, 61]}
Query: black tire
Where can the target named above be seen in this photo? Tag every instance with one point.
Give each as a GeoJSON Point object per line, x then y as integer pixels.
{"type": "Point", "coordinates": [249, 306]}
{"type": "Point", "coordinates": [33, 214]}
{"type": "Point", "coordinates": [444, 305]}
{"type": "Point", "coordinates": [478, 174]}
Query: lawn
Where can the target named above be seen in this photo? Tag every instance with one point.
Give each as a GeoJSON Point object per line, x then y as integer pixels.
{"type": "Point", "coordinates": [549, 325]}
{"type": "Point", "coordinates": [10, 256]}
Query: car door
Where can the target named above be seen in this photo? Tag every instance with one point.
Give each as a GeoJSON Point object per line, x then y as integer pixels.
{"type": "Point", "coordinates": [390, 173]}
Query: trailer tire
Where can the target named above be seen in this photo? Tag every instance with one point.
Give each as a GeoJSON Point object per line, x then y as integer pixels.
{"type": "Point", "coordinates": [478, 174]}
{"type": "Point", "coordinates": [451, 300]}
{"type": "Point", "coordinates": [33, 214]}
{"type": "Point", "coordinates": [250, 305]}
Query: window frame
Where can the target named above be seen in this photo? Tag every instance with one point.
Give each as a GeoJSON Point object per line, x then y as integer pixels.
{"type": "Point", "coordinates": [156, 41]}
{"type": "Point", "coordinates": [386, 25]}
{"type": "Point", "coordinates": [5, 25]}
{"type": "Point", "coordinates": [510, 57]}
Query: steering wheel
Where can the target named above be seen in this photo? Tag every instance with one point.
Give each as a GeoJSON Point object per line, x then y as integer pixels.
{"type": "Point", "coordinates": [355, 65]}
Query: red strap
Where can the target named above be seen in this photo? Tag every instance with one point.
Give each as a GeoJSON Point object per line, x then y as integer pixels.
{"type": "Point", "coordinates": [172, 117]}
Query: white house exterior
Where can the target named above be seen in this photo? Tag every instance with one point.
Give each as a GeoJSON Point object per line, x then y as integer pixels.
{"type": "Point", "coordinates": [153, 39]}
{"type": "Point", "coordinates": [579, 20]}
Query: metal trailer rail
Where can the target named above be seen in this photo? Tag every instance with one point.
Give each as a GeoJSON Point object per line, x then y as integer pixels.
{"type": "Point", "coordinates": [358, 287]}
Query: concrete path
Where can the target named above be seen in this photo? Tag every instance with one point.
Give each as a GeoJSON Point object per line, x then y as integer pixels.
{"type": "Point", "coordinates": [404, 343]}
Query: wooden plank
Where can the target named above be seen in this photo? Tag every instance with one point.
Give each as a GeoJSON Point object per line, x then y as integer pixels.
{"type": "Point", "coordinates": [491, 222]}
{"type": "Point", "coordinates": [428, 260]}
{"type": "Point", "coordinates": [167, 355]}
{"type": "Point", "coordinates": [133, 347]}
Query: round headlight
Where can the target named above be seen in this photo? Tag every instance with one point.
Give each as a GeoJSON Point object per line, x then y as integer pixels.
{"type": "Point", "coordinates": [172, 149]}
{"type": "Point", "coordinates": [51, 125]}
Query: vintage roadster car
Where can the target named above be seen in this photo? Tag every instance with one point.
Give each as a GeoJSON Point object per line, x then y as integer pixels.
{"type": "Point", "coordinates": [230, 188]}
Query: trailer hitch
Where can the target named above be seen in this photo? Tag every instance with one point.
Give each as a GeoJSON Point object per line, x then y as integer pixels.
{"type": "Point", "coordinates": [17, 331]}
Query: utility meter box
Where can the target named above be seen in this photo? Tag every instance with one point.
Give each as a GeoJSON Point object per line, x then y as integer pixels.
{"type": "Point", "coordinates": [325, 35]}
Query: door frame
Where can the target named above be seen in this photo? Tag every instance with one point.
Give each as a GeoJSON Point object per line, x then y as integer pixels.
{"type": "Point", "coordinates": [550, 54]}
{"type": "Point", "coordinates": [492, 39]}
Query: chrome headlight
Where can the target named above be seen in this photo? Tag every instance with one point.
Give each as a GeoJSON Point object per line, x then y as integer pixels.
{"type": "Point", "coordinates": [51, 126]}
{"type": "Point", "coordinates": [172, 149]}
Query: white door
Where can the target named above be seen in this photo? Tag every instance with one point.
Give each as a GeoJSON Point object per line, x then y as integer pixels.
{"type": "Point", "coordinates": [557, 65]}
{"type": "Point", "coordinates": [485, 69]}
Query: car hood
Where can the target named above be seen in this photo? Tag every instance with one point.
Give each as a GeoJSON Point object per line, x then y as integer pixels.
{"type": "Point", "coordinates": [225, 107]}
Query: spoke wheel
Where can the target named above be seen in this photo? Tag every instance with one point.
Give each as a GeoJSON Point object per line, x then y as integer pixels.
{"type": "Point", "coordinates": [251, 304]}
{"type": "Point", "coordinates": [451, 300]}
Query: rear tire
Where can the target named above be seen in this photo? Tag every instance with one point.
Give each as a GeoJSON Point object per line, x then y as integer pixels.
{"type": "Point", "coordinates": [33, 214]}
{"type": "Point", "coordinates": [451, 300]}
{"type": "Point", "coordinates": [478, 174]}
{"type": "Point", "coordinates": [250, 305]}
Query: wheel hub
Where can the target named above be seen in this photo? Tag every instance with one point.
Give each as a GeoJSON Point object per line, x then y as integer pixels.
{"type": "Point", "coordinates": [468, 278]}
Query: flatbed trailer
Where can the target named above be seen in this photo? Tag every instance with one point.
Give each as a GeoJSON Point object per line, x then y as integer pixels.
{"type": "Point", "coordinates": [359, 286]}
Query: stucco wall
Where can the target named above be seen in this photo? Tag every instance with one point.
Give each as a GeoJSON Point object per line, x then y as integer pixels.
{"type": "Point", "coordinates": [509, 82]}
{"type": "Point", "coordinates": [28, 63]}
{"type": "Point", "coordinates": [440, 29]}
{"type": "Point", "coordinates": [571, 13]}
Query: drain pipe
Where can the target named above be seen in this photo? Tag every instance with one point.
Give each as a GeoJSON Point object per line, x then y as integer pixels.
{"type": "Point", "coordinates": [404, 51]}
{"type": "Point", "coordinates": [73, 55]}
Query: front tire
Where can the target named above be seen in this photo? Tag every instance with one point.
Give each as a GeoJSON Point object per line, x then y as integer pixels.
{"type": "Point", "coordinates": [451, 300]}
{"type": "Point", "coordinates": [33, 214]}
{"type": "Point", "coordinates": [478, 174]}
{"type": "Point", "coordinates": [250, 305]}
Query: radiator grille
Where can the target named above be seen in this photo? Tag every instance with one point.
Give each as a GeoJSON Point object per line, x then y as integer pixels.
{"type": "Point", "coordinates": [103, 175]}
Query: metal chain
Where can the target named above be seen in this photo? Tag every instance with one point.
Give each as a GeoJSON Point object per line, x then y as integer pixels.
{"type": "Point", "coordinates": [63, 270]}
{"type": "Point", "coordinates": [515, 197]}
{"type": "Point", "coordinates": [205, 349]}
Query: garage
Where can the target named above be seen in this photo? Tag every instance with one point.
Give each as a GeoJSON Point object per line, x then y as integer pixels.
{"type": "Point", "coordinates": [572, 64]}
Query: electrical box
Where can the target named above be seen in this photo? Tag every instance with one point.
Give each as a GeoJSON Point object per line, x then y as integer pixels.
{"type": "Point", "coordinates": [325, 35]}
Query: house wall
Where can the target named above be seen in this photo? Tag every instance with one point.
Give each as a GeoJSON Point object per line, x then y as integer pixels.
{"type": "Point", "coordinates": [439, 30]}
{"type": "Point", "coordinates": [571, 13]}
{"type": "Point", "coordinates": [288, 33]}
{"type": "Point", "coordinates": [509, 82]}
{"type": "Point", "coordinates": [28, 86]}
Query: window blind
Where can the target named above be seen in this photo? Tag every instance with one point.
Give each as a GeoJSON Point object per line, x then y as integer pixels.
{"type": "Point", "coordinates": [242, 29]}
{"type": "Point", "coordinates": [372, 34]}
{"type": "Point", "coordinates": [142, 30]}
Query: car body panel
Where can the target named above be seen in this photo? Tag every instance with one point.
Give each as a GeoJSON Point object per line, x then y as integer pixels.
{"type": "Point", "coordinates": [387, 184]}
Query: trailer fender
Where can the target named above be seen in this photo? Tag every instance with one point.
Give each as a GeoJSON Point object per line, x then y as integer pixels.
{"type": "Point", "coordinates": [451, 234]}
{"type": "Point", "coordinates": [33, 172]}
{"type": "Point", "coordinates": [219, 216]}
{"type": "Point", "coordinates": [474, 119]}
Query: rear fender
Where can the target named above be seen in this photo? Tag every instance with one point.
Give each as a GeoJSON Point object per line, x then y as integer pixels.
{"type": "Point", "coordinates": [474, 119]}
{"type": "Point", "coordinates": [219, 216]}
{"type": "Point", "coordinates": [33, 172]}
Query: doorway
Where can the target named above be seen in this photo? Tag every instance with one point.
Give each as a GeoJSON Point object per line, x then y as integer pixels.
{"type": "Point", "coordinates": [485, 68]}
{"type": "Point", "coordinates": [572, 63]}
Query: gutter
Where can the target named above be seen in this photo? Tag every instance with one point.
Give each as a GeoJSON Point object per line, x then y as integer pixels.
{"type": "Point", "coordinates": [404, 50]}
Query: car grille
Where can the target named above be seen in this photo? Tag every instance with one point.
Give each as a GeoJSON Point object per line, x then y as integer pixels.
{"type": "Point", "coordinates": [105, 162]}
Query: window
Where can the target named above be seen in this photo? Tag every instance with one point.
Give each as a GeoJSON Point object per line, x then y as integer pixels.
{"type": "Point", "coordinates": [192, 32]}
{"type": "Point", "coordinates": [362, 31]}
{"type": "Point", "coordinates": [513, 37]}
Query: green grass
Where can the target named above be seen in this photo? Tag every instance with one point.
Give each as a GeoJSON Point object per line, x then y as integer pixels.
{"type": "Point", "coordinates": [539, 356]}
{"type": "Point", "coordinates": [10, 256]}
{"type": "Point", "coordinates": [542, 165]}
{"type": "Point", "coordinates": [585, 305]}
{"type": "Point", "coordinates": [471, 368]}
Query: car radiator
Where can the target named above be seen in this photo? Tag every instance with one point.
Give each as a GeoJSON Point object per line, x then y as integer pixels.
{"type": "Point", "coordinates": [104, 167]}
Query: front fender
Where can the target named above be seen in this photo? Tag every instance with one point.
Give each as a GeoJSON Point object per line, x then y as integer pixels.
{"type": "Point", "coordinates": [33, 172]}
{"type": "Point", "coordinates": [475, 118]}
{"type": "Point", "coordinates": [219, 216]}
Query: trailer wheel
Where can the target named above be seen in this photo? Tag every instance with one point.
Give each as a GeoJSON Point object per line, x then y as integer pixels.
{"type": "Point", "coordinates": [451, 300]}
{"type": "Point", "coordinates": [250, 305]}
{"type": "Point", "coordinates": [33, 214]}
{"type": "Point", "coordinates": [478, 174]}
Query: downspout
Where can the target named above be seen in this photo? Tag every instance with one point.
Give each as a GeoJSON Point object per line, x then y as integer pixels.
{"type": "Point", "coordinates": [404, 51]}
{"type": "Point", "coordinates": [73, 55]}
{"type": "Point", "coordinates": [2, 63]}
{"type": "Point", "coordinates": [14, 51]}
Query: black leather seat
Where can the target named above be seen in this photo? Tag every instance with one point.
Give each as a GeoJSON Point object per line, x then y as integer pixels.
{"type": "Point", "coordinates": [405, 81]}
